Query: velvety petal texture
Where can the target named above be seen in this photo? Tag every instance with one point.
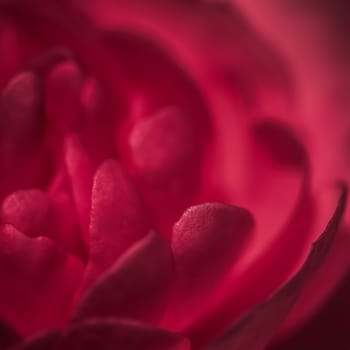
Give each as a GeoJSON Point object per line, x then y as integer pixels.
{"type": "Point", "coordinates": [165, 168]}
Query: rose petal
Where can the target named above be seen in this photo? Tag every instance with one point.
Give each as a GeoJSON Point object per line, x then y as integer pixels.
{"type": "Point", "coordinates": [327, 329]}
{"type": "Point", "coordinates": [35, 213]}
{"type": "Point", "coordinates": [37, 281]}
{"type": "Point", "coordinates": [8, 336]}
{"type": "Point", "coordinates": [63, 86]}
{"type": "Point", "coordinates": [45, 341]}
{"type": "Point", "coordinates": [135, 287]}
{"type": "Point", "coordinates": [27, 211]}
{"type": "Point", "coordinates": [80, 172]}
{"type": "Point", "coordinates": [10, 52]}
{"type": "Point", "coordinates": [117, 220]}
{"type": "Point", "coordinates": [280, 142]}
{"type": "Point", "coordinates": [206, 241]}
{"type": "Point", "coordinates": [21, 134]}
{"type": "Point", "coordinates": [254, 330]}
{"type": "Point", "coordinates": [63, 221]}
{"type": "Point", "coordinates": [166, 155]}
{"type": "Point", "coordinates": [162, 146]}
{"type": "Point", "coordinates": [280, 197]}
{"type": "Point", "coordinates": [111, 334]}
{"type": "Point", "coordinates": [322, 286]}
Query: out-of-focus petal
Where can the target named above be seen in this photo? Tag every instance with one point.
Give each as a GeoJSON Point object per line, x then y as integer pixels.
{"type": "Point", "coordinates": [21, 135]}
{"type": "Point", "coordinates": [165, 154]}
{"type": "Point", "coordinates": [44, 341]}
{"type": "Point", "coordinates": [110, 334]}
{"type": "Point", "coordinates": [8, 336]}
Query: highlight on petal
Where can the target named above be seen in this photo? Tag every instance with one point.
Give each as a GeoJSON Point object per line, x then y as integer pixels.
{"type": "Point", "coordinates": [110, 334]}
{"type": "Point", "coordinates": [38, 281]}
{"type": "Point", "coordinates": [135, 287]}
{"type": "Point", "coordinates": [254, 330]}
{"type": "Point", "coordinates": [118, 218]}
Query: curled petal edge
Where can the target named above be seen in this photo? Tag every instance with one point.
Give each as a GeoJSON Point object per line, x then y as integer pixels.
{"type": "Point", "coordinates": [256, 328]}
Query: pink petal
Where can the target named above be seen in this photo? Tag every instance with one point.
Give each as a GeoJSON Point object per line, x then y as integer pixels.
{"type": "Point", "coordinates": [284, 211]}
{"type": "Point", "coordinates": [118, 218]}
{"type": "Point", "coordinates": [162, 146]}
{"type": "Point", "coordinates": [28, 211]}
{"type": "Point", "coordinates": [10, 52]}
{"type": "Point", "coordinates": [111, 334]}
{"type": "Point", "coordinates": [63, 85]}
{"type": "Point", "coordinates": [45, 341]}
{"type": "Point", "coordinates": [166, 157]}
{"type": "Point", "coordinates": [80, 172]}
{"type": "Point", "coordinates": [254, 330]}
{"type": "Point", "coordinates": [8, 337]}
{"type": "Point", "coordinates": [21, 135]}
{"type": "Point", "coordinates": [136, 286]}
{"type": "Point", "coordinates": [35, 213]}
{"type": "Point", "coordinates": [280, 142]}
{"type": "Point", "coordinates": [37, 281]}
{"type": "Point", "coordinates": [63, 221]}
{"type": "Point", "coordinates": [206, 241]}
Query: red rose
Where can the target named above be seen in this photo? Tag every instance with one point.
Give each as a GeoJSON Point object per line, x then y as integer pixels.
{"type": "Point", "coordinates": [132, 135]}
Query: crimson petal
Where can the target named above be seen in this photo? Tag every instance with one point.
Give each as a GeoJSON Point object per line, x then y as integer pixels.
{"type": "Point", "coordinates": [27, 211]}
{"type": "Point", "coordinates": [111, 334]}
{"type": "Point", "coordinates": [21, 134]}
{"type": "Point", "coordinates": [206, 241]}
{"type": "Point", "coordinates": [38, 280]}
{"type": "Point", "coordinates": [135, 287]}
{"type": "Point", "coordinates": [254, 330]}
{"type": "Point", "coordinates": [80, 172]}
{"type": "Point", "coordinates": [117, 219]}
{"type": "Point", "coordinates": [63, 85]}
